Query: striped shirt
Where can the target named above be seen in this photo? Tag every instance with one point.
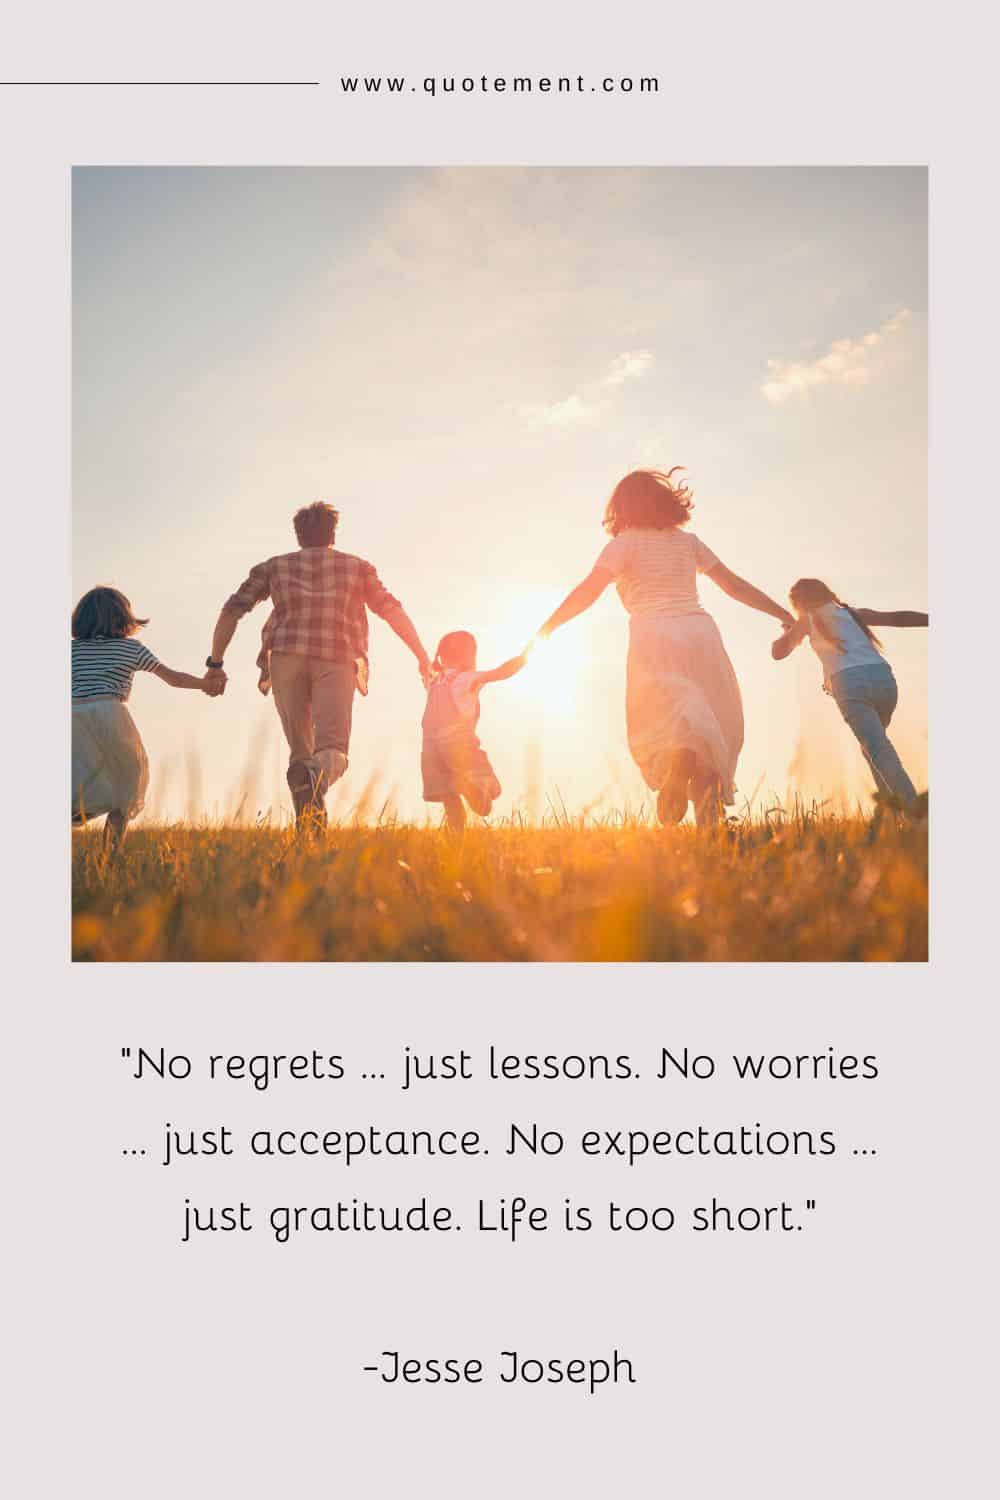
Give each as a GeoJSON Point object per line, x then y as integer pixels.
{"type": "Point", "coordinates": [656, 572]}
{"type": "Point", "coordinates": [320, 600]}
{"type": "Point", "coordinates": [104, 668]}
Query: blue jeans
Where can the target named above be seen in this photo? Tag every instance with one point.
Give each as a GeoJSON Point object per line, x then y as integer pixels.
{"type": "Point", "coordinates": [867, 698]}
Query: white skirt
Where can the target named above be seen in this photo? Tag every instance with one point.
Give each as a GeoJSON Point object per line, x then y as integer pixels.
{"type": "Point", "coordinates": [682, 695]}
{"type": "Point", "coordinates": [110, 768]}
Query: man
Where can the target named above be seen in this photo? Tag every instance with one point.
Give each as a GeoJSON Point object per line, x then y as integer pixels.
{"type": "Point", "coordinates": [318, 642]}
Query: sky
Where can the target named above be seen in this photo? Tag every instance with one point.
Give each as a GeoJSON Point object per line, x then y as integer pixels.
{"type": "Point", "coordinates": [465, 361]}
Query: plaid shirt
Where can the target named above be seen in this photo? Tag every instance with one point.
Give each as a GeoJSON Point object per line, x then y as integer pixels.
{"type": "Point", "coordinates": [320, 598]}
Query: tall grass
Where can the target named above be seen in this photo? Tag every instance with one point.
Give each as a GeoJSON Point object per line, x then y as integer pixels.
{"type": "Point", "coordinates": [775, 885]}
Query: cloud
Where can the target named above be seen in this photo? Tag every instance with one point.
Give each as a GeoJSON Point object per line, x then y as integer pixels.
{"type": "Point", "coordinates": [850, 362]}
{"type": "Point", "coordinates": [574, 411]}
{"type": "Point", "coordinates": [584, 410]}
{"type": "Point", "coordinates": [470, 299]}
{"type": "Point", "coordinates": [630, 366]}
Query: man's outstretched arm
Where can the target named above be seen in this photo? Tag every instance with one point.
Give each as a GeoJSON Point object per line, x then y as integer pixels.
{"type": "Point", "coordinates": [400, 623]}
{"type": "Point", "coordinates": [379, 600]}
{"type": "Point", "coordinates": [225, 629]}
{"type": "Point", "coordinates": [251, 591]}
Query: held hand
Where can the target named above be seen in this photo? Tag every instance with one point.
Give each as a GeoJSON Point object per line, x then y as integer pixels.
{"type": "Point", "coordinates": [424, 668]}
{"type": "Point", "coordinates": [792, 632]}
{"type": "Point", "coordinates": [213, 684]}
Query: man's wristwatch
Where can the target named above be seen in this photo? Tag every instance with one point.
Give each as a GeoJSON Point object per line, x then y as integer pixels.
{"type": "Point", "coordinates": [213, 666]}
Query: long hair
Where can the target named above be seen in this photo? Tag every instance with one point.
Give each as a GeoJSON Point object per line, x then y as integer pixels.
{"type": "Point", "coordinates": [649, 498]}
{"type": "Point", "coordinates": [811, 594]}
{"type": "Point", "coordinates": [104, 614]}
{"type": "Point", "coordinates": [452, 649]}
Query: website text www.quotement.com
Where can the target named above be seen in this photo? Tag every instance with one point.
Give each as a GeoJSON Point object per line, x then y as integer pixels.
{"type": "Point", "coordinates": [437, 85]}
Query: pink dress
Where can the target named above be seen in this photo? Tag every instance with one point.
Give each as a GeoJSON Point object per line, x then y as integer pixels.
{"type": "Point", "coordinates": [452, 760]}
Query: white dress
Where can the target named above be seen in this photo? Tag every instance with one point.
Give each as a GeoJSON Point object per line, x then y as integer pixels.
{"type": "Point", "coordinates": [110, 765]}
{"type": "Point", "coordinates": [110, 770]}
{"type": "Point", "coordinates": [682, 691]}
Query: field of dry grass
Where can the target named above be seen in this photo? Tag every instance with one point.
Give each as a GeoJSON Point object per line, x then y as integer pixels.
{"type": "Point", "coordinates": [778, 888]}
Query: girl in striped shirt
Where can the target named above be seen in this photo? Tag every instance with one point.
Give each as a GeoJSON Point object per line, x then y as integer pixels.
{"type": "Point", "coordinates": [110, 768]}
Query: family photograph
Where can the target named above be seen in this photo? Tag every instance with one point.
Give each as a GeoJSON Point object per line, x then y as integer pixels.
{"type": "Point", "coordinates": [488, 506]}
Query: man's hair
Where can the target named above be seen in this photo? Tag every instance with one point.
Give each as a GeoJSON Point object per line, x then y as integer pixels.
{"type": "Point", "coordinates": [104, 614]}
{"type": "Point", "coordinates": [316, 525]}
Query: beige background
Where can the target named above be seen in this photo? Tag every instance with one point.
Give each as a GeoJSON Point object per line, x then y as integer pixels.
{"type": "Point", "coordinates": [847, 1359]}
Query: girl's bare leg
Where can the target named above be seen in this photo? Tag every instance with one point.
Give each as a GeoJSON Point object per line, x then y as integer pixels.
{"type": "Point", "coordinates": [114, 831]}
{"type": "Point", "coordinates": [454, 814]}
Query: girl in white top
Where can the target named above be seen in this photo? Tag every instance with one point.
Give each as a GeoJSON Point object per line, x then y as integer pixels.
{"type": "Point", "coordinates": [855, 672]}
{"type": "Point", "coordinates": [453, 762]}
{"type": "Point", "coordinates": [684, 711]}
{"type": "Point", "coordinates": [110, 769]}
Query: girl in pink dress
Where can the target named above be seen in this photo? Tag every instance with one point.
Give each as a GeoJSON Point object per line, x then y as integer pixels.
{"type": "Point", "coordinates": [453, 762]}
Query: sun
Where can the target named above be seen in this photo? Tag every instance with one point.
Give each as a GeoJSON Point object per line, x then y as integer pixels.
{"type": "Point", "coordinates": [552, 679]}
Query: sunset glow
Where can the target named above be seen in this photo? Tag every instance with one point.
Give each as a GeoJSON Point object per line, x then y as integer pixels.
{"type": "Point", "coordinates": [465, 361]}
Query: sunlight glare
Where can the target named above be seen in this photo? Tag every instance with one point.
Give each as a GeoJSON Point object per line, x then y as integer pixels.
{"type": "Point", "coordinates": [552, 678]}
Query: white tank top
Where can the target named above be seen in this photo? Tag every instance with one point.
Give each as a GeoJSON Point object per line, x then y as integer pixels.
{"type": "Point", "coordinates": [850, 646]}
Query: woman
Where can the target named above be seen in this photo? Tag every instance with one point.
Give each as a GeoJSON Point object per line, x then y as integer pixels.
{"type": "Point", "coordinates": [683, 707]}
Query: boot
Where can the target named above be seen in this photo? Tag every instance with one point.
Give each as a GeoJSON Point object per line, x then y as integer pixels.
{"type": "Point", "coordinates": [307, 788]}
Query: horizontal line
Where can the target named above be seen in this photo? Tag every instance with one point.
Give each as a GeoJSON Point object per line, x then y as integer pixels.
{"type": "Point", "coordinates": [159, 83]}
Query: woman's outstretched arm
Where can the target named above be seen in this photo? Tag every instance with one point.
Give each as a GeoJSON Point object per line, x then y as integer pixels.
{"type": "Point", "coordinates": [744, 593]}
{"type": "Point", "coordinates": [903, 617]}
{"type": "Point", "coordinates": [581, 598]}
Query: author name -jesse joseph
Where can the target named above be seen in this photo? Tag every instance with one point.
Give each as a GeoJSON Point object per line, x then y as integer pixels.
{"type": "Point", "coordinates": [513, 1368]}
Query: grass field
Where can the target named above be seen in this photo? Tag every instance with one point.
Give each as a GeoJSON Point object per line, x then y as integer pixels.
{"type": "Point", "coordinates": [778, 888]}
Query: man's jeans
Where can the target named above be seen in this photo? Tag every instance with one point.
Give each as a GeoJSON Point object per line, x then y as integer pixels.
{"type": "Point", "coordinates": [867, 698]}
{"type": "Point", "coordinates": [314, 699]}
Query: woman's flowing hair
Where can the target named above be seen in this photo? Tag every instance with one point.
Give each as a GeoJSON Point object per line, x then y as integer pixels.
{"type": "Point", "coordinates": [811, 594]}
{"type": "Point", "coordinates": [651, 499]}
